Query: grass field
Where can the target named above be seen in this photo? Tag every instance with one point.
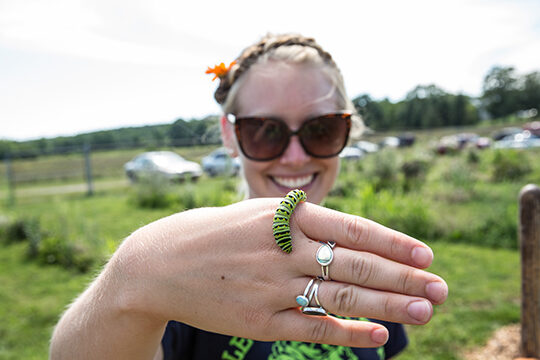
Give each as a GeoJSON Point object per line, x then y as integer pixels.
{"type": "Point", "coordinates": [457, 204]}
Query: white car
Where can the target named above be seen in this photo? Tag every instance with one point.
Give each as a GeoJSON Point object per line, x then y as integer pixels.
{"type": "Point", "coordinates": [166, 164]}
{"type": "Point", "coordinates": [521, 140]}
{"type": "Point", "coordinates": [218, 162]}
{"type": "Point", "coordinates": [351, 153]}
{"type": "Point", "coordinates": [367, 146]}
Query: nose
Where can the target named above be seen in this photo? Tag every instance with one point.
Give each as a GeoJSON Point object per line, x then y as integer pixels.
{"type": "Point", "coordinates": [294, 154]}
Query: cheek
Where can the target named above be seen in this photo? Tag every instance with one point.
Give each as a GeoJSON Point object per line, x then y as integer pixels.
{"type": "Point", "coordinates": [254, 174]}
{"type": "Point", "coordinates": [253, 168]}
{"type": "Point", "coordinates": [332, 169]}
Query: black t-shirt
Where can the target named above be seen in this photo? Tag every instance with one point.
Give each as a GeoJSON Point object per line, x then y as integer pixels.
{"type": "Point", "coordinates": [186, 342]}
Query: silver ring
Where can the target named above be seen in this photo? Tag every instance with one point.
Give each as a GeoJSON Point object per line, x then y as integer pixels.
{"type": "Point", "coordinates": [314, 310]}
{"type": "Point", "coordinates": [303, 300]}
{"type": "Point", "coordinates": [324, 257]}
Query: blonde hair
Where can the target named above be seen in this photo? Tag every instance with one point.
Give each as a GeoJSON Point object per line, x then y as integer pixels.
{"type": "Point", "coordinates": [290, 48]}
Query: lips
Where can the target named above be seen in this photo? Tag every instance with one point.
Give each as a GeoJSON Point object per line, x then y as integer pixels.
{"type": "Point", "coordinates": [293, 182]}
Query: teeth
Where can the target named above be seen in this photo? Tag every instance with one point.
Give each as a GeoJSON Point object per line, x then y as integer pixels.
{"type": "Point", "coordinates": [294, 182]}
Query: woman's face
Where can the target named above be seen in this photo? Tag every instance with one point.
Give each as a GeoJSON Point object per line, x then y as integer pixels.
{"type": "Point", "coordinates": [293, 93]}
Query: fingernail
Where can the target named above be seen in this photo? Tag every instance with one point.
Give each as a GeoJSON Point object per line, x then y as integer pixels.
{"type": "Point", "coordinates": [437, 291]}
{"type": "Point", "coordinates": [422, 256]}
{"type": "Point", "coordinates": [379, 336]}
{"type": "Point", "coordinates": [419, 310]}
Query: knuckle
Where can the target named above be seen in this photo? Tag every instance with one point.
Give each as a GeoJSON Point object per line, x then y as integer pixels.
{"type": "Point", "coordinates": [344, 299]}
{"type": "Point", "coordinates": [362, 269]}
{"type": "Point", "coordinates": [320, 331]}
{"type": "Point", "coordinates": [396, 247]}
{"type": "Point", "coordinates": [387, 306]}
{"type": "Point", "coordinates": [405, 280]}
{"type": "Point", "coordinates": [355, 229]}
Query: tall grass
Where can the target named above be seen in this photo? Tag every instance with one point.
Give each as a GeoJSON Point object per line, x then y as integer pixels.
{"type": "Point", "coordinates": [456, 203]}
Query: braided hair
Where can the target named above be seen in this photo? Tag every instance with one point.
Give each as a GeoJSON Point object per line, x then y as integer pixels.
{"type": "Point", "coordinates": [252, 54]}
{"type": "Point", "coordinates": [269, 46]}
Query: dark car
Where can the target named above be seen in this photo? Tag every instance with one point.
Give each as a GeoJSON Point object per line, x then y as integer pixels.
{"type": "Point", "coordinates": [499, 134]}
{"type": "Point", "coordinates": [165, 164]}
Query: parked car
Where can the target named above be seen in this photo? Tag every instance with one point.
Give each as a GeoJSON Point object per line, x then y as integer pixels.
{"type": "Point", "coordinates": [522, 140]}
{"type": "Point", "coordinates": [390, 141]}
{"type": "Point", "coordinates": [351, 153]}
{"type": "Point", "coordinates": [500, 134]}
{"type": "Point", "coordinates": [218, 162]}
{"type": "Point", "coordinates": [366, 146]}
{"type": "Point", "coordinates": [453, 143]}
{"type": "Point", "coordinates": [406, 140]}
{"type": "Point", "coordinates": [166, 164]}
{"type": "Point", "coordinates": [533, 127]}
{"type": "Point", "coordinates": [483, 142]}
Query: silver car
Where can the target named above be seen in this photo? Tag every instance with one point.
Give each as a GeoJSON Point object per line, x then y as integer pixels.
{"type": "Point", "coordinates": [351, 153]}
{"type": "Point", "coordinates": [218, 162]}
{"type": "Point", "coordinates": [166, 164]}
{"type": "Point", "coordinates": [522, 140]}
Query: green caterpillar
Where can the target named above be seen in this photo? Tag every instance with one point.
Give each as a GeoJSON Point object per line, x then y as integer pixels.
{"type": "Point", "coordinates": [280, 226]}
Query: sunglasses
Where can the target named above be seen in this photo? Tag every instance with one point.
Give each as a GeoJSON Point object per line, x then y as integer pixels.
{"type": "Point", "coordinates": [267, 138]}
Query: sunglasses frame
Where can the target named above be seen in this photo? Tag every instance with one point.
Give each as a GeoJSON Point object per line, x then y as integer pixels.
{"type": "Point", "coordinates": [347, 116]}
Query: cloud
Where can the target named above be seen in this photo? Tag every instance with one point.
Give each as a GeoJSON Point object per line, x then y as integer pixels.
{"type": "Point", "coordinates": [140, 62]}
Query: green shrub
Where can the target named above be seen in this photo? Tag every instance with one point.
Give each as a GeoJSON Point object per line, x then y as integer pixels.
{"type": "Point", "coordinates": [383, 170]}
{"type": "Point", "coordinates": [153, 193]}
{"type": "Point", "coordinates": [414, 173]}
{"type": "Point", "coordinates": [408, 213]}
{"type": "Point", "coordinates": [495, 228]}
{"type": "Point", "coordinates": [46, 248]}
{"type": "Point", "coordinates": [510, 165]}
{"type": "Point", "coordinates": [473, 157]}
{"type": "Point", "coordinates": [346, 185]}
{"type": "Point", "coordinates": [57, 250]}
{"type": "Point", "coordinates": [187, 198]}
{"type": "Point", "coordinates": [19, 230]}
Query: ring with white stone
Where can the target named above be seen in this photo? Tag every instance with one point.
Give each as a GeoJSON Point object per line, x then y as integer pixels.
{"type": "Point", "coordinates": [314, 310]}
{"type": "Point", "coordinates": [324, 257]}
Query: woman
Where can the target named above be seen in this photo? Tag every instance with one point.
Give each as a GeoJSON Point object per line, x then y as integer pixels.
{"type": "Point", "coordinates": [218, 272]}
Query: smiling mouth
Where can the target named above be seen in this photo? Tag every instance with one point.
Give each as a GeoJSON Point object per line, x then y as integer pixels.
{"type": "Point", "coordinates": [293, 182]}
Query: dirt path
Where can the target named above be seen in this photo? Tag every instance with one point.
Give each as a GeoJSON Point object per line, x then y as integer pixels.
{"type": "Point", "coordinates": [68, 188]}
{"type": "Point", "coordinates": [503, 345]}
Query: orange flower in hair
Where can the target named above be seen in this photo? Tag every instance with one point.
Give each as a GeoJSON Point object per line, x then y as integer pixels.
{"type": "Point", "coordinates": [220, 70]}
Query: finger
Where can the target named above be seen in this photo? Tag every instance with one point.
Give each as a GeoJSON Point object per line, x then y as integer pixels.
{"type": "Point", "coordinates": [358, 233]}
{"type": "Point", "coordinates": [372, 271]}
{"type": "Point", "coordinates": [356, 301]}
{"type": "Point", "coordinates": [292, 325]}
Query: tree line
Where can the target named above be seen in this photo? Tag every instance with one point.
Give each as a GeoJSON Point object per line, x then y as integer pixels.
{"type": "Point", "coordinates": [504, 93]}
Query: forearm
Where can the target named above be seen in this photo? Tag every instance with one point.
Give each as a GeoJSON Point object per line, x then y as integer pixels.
{"type": "Point", "coordinates": [103, 324]}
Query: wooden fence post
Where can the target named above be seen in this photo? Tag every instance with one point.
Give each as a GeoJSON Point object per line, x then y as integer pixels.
{"type": "Point", "coordinates": [529, 239]}
{"type": "Point", "coordinates": [10, 181]}
{"type": "Point", "coordinates": [88, 170]}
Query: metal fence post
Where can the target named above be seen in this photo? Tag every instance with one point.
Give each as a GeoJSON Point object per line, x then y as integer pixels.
{"type": "Point", "coordinates": [529, 238]}
{"type": "Point", "coordinates": [88, 169]}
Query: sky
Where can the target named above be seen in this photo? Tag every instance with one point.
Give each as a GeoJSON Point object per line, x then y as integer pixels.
{"type": "Point", "coordinates": [75, 66]}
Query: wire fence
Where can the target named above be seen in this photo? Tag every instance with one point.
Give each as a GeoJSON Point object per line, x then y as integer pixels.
{"type": "Point", "coordinates": [79, 169]}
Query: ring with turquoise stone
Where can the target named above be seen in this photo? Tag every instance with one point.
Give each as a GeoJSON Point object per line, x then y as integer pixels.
{"type": "Point", "coordinates": [315, 310]}
{"type": "Point", "coordinates": [303, 299]}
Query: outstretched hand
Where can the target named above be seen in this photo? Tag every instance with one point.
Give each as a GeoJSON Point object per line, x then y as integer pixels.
{"type": "Point", "coordinates": [220, 270]}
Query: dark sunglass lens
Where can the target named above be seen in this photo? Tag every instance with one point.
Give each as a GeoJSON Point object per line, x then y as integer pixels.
{"type": "Point", "coordinates": [262, 139]}
{"type": "Point", "coordinates": [325, 136]}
